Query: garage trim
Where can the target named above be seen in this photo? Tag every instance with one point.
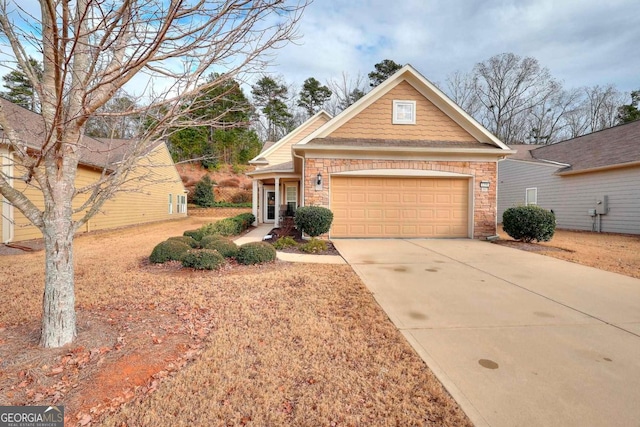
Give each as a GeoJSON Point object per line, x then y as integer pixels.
{"type": "Point", "coordinates": [412, 173]}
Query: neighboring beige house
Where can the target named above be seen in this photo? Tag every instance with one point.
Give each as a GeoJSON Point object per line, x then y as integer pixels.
{"type": "Point", "coordinates": [154, 191]}
{"type": "Point", "coordinates": [403, 161]}
{"type": "Point", "coordinates": [591, 182]}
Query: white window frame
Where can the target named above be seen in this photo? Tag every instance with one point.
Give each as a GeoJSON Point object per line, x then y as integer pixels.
{"type": "Point", "coordinates": [180, 204]}
{"type": "Point", "coordinates": [286, 194]}
{"type": "Point", "coordinates": [170, 203]}
{"type": "Point", "coordinates": [535, 196]}
{"type": "Point", "coordinates": [402, 120]}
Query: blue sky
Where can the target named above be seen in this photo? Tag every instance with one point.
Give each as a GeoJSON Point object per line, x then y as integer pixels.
{"type": "Point", "coordinates": [582, 42]}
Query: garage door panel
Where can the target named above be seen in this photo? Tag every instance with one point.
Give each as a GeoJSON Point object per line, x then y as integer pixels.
{"type": "Point", "coordinates": [399, 207]}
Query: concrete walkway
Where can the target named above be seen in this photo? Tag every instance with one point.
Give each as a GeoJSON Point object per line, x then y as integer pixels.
{"type": "Point", "coordinates": [516, 337]}
{"type": "Point", "coordinates": [258, 233]}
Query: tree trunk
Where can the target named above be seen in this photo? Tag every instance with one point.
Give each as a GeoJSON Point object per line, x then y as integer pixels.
{"type": "Point", "coordinates": [58, 304]}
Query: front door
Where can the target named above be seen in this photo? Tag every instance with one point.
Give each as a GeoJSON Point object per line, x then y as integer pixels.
{"type": "Point", "coordinates": [270, 205]}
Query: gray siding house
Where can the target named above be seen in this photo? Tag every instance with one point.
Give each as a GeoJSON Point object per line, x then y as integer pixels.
{"type": "Point", "coordinates": [591, 182]}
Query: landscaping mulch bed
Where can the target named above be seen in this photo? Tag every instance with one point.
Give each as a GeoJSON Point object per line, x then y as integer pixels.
{"type": "Point", "coordinates": [278, 233]}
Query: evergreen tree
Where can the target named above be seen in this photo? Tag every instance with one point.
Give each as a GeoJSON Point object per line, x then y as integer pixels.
{"type": "Point", "coordinates": [383, 70]}
{"type": "Point", "coordinates": [313, 95]}
{"type": "Point", "coordinates": [271, 96]}
{"type": "Point", "coordinates": [629, 113]}
{"type": "Point", "coordinates": [19, 89]}
{"type": "Point", "coordinates": [203, 193]}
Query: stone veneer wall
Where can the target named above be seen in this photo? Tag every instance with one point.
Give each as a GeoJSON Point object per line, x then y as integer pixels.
{"type": "Point", "coordinates": [485, 209]}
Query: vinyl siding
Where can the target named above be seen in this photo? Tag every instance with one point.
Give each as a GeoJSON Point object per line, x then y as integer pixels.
{"type": "Point", "coordinates": [282, 154]}
{"type": "Point", "coordinates": [144, 199]}
{"type": "Point", "coordinates": [376, 120]}
{"type": "Point", "coordinates": [571, 196]}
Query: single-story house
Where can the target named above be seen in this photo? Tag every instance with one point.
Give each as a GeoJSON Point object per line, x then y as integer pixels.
{"type": "Point", "coordinates": [403, 161]}
{"type": "Point", "coordinates": [591, 182]}
{"type": "Point", "coordinates": [154, 190]}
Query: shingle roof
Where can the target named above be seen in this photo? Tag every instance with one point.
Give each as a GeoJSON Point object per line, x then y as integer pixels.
{"type": "Point", "coordinates": [280, 167]}
{"type": "Point", "coordinates": [615, 146]}
{"type": "Point", "coordinates": [378, 143]}
{"type": "Point", "coordinates": [30, 129]}
{"type": "Point", "coordinates": [524, 152]}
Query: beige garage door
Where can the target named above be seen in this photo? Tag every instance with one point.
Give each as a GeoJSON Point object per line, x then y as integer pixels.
{"type": "Point", "coordinates": [399, 207]}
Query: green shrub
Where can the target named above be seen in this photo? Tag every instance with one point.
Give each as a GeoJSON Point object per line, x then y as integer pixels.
{"type": "Point", "coordinates": [203, 193]}
{"type": "Point", "coordinates": [529, 223]}
{"type": "Point", "coordinates": [226, 247]}
{"type": "Point", "coordinates": [186, 239]}
{"type": "Point", "coordinates": [194, 234]}
{"type": "Point", "coordinates": [229, 226]}
{"type": "Point", "coordinates": [285, 242]}
{"type": "Point", "coordinates": [169, 250]}
{"type": "Point", "coordinates": [208, 238]}
{"type": "Point", "coordinates": [246, 219]}
{"type": "Point", "coordinates": [256, 253]}
{"type": "Point", "coordinates": [314, 246]}
{"type": "Point", "coordinates": [203, 259]}
{"type": "Point", "coordinates": [313, 220]}
{"type": "Point", "coordinates": [226, 227]}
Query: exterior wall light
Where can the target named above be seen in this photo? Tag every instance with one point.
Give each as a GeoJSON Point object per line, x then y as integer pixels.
{"type": "Point", "coordinates": [319, 181]}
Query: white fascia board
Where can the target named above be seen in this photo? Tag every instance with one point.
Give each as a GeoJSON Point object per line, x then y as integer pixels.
{"type": "Point", "coordinates": [291, 134]}
{"type": "Point", "coordinates": [381, 149]}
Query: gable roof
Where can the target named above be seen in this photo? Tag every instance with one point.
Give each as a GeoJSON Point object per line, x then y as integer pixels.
{"type": "Point", "coordinates": [424, 87]}
{"type": "Point", "coordinates": [94, 152]}
{"type": "Point", "coordinates": [269, 147]}
{"type": "Point", "coordinates": [618, 146]}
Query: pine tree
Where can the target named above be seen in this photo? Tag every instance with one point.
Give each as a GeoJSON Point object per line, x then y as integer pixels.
{"type": "Point", "coordinates": [19, 88]}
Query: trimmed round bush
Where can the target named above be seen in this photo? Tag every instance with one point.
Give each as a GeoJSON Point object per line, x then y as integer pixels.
{"type": "Point", "coordinates": [203, 259]}
{"type": "Point", "coordinates": [185, 239]}
{"type": "Point", "coordinates": [194, 234]}
{"type": "Point", "coordinates": [208, 238]}
{"type": "Point", "coordinates": [256, 253]}
{"type": "Point", "coordinates": [313, 220]}
{"type": "Point", "coordinates": [529, 223]}
{"type": "Point", "coordinates": [226, 247]}
{"type": "Point", "coordinates": [169, 250]}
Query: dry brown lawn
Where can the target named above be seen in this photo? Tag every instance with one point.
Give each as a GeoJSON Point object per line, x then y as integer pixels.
{"type": "Point", "coordinates": [618, 253]}
{"type": "Point", "coordinates": [277, 344]}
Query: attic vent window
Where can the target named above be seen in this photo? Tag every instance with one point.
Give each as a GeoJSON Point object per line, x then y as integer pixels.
{"type": "Point", "coordinates": [404, 112]}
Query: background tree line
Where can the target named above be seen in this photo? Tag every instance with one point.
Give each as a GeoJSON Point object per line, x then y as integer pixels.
{"type": "Point", "coordinates": [514, 97]}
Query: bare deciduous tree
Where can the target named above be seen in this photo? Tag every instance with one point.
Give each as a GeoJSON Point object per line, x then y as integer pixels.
{"type": "Point", "coordinates": [462, 90]}
{"type": "Point", "coordinates": [508, 88]}
{"type": "Point", "coordinates": [91, 49]}
{"type": "Point", "coordinates": [346, 90]}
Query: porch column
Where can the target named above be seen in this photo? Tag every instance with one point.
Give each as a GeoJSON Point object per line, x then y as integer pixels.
{"type": "Point", "coordinates": [277, 215]}
{"type": "Point", "coordinates": [254, 201]}
{"type": "Point", "coordinates": [260, 201]}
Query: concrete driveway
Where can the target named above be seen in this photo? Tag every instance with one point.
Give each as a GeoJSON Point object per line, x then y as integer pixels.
{"type": "Point", "coordinates": [518, 339]}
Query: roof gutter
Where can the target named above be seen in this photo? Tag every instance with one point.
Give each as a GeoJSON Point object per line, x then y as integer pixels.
{"type": "Point", "coordinates": [601, 168]}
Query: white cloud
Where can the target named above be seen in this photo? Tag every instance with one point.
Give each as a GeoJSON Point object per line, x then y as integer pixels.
{"type": "Point", "coordinates": [582, 42]}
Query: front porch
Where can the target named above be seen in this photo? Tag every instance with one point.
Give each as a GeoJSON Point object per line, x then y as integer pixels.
{"type": "Point", "coordinates": [275, 198]}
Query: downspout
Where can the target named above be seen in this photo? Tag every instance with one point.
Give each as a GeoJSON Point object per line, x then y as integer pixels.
{"type": "Point", "coordinates": [303, 176]}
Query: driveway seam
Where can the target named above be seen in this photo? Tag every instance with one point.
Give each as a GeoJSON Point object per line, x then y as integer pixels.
{"type": "Point", "coordinates": [528, 290]}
